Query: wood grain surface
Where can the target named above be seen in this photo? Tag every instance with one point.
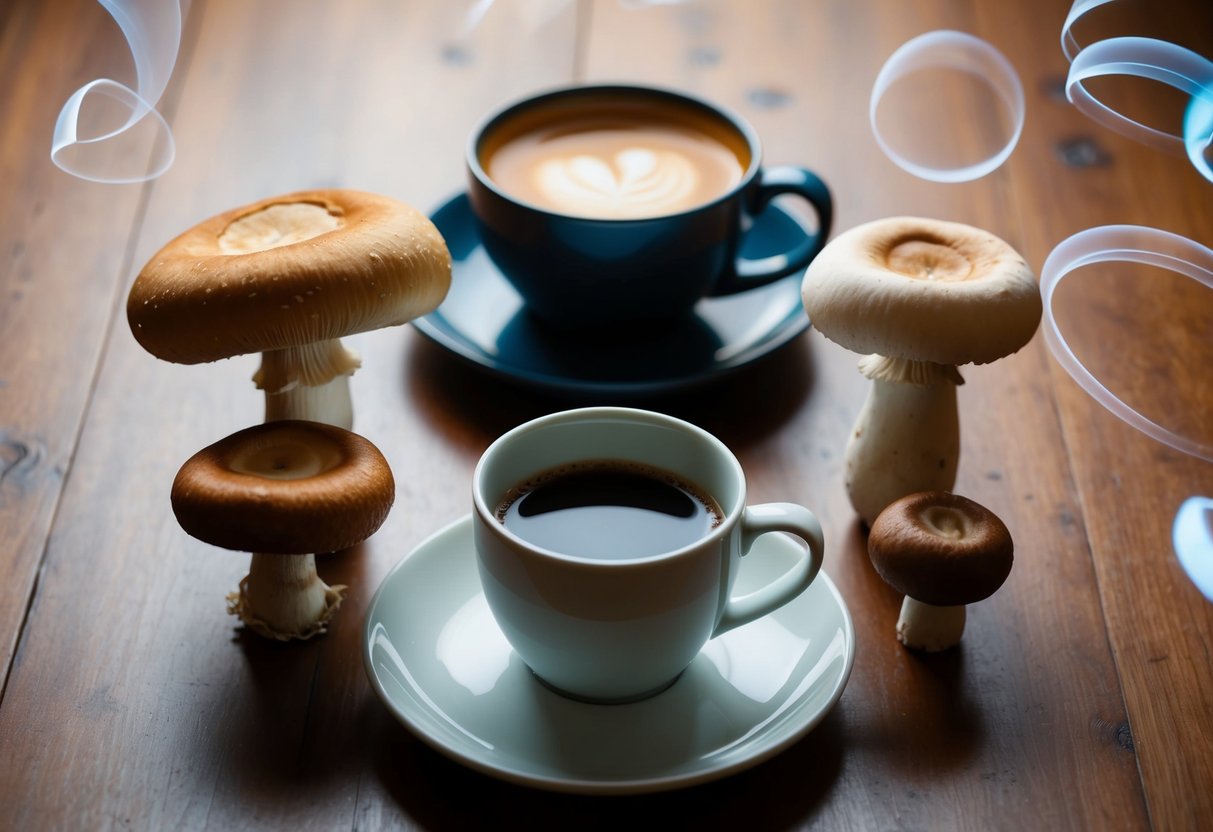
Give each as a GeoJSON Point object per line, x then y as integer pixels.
{"type": "Point", "coordinates": [1079, 698]}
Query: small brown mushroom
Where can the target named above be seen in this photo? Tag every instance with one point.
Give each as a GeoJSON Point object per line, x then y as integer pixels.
{"type": "Point", "coordinates": [288, 277]}
{"type": "Point", "coordinates": [918, 297]}
{"type": "Point", "coordinates": [284, 491]}
{"type": "Point", "coordinates": [942, 551]}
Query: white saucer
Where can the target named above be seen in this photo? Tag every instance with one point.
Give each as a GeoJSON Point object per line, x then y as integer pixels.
{"type": "Point", "coordinates": [436, 658]}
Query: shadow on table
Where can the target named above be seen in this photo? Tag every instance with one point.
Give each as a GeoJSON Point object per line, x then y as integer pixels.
{"type": "Point", "coordinates": [739, 408]}
{"type": "Point", "coordinates": [926, 708]}
{"type": "Point", "coordinates": [438, 793]}
{"type": "Point", "coordinates": [275, 727]}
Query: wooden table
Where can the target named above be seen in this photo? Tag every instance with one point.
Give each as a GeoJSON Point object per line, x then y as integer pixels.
{"type": "Point", "coordinates": [1082, 695]}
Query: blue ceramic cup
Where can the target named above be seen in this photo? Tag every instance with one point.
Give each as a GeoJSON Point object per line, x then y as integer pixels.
{"type": "Point", "coordinates": [575, 267]}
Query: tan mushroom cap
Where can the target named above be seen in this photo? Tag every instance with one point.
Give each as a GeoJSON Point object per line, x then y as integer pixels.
{"type": "Point", "coordinates": [288, 271]}
{"type": "Point", "coordinates": [941, 549]}
{"type": "Point", "coordinates": [286, 488]}
{"type": "Point", "coordinates": [922, 290]}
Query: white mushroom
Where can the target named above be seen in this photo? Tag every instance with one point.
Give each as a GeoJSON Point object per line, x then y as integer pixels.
{"type": "Point", "coordinates": [942, 551]}
{"type": "Point", "coordinates": [918, 297]}
{"type": "Point", "coordinates": [288, 277]}
{"type": "Point", "coordinates": [284, 491]}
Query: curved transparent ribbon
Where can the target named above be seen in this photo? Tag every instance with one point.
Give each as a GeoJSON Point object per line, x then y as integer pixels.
{"type": "Point", "coordinates": [1069, 44]}
{"type": "Point", "coordinates": [1150, 58]}
{"type": "Point", "coordinates": [1126, 244]}
{"type": "Point", "coordinates": [107, 132]}
{"type": "Point", "coordinates": [958, 52]}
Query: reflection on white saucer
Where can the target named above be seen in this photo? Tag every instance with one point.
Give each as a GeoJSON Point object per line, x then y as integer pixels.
{"type": "Point", "coordinates": [472, 647]}
{"type": "Point", "coordinates": [438, 661]}
{"type": "Point", "coordinates": [757, 659]}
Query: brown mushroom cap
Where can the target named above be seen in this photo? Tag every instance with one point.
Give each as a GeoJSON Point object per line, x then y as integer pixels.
{"type": "Point", "coordinates": [288, 271]}
{"type": "Point", "coordinates": [922, 290]}
{"type": "Point", "coordinates": [941, 549]}
{"type": "Point", "coordinates": [287, 488]}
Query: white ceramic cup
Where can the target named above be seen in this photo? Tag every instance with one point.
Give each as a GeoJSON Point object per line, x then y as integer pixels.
{"type": "Point", "coordinates": [607, 630]}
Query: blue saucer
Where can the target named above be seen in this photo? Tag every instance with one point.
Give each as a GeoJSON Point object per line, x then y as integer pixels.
{"type": "Point", "coordinates": [483, 321]}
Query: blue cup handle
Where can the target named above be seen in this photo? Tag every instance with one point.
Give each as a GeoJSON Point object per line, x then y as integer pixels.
{"type": "Point", "coordinates": [750, 273]}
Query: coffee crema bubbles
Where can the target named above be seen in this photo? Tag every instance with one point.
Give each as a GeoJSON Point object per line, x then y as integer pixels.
{"type": "Point", "coordinates": [621, 163]}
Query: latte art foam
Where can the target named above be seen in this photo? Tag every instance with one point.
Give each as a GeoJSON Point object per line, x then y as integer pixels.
{"type": "Point", "coordinates": [635, 181]}
{"type": "Point", "coordinates": [613, 168]}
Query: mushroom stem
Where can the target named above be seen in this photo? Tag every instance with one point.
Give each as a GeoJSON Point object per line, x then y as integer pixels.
{"type": "Point", "coordinates": [310, 382]}
{"type": "Point", "coordinates": [328, 403]}
{"type": "Point", "coordinates": [927, 627]}
{"type": "Point", "coordinates": [907, 436]}
{"type": "Point", "coordinates": [283, 598]}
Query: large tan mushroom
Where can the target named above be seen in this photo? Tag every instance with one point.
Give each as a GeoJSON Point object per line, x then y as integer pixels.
{"type": "Point", "coordinates": [285, 491]}
{"type": "Point", "coordinates": [288, 277]}
{"type": "Point", "coordinates": [918, 297]}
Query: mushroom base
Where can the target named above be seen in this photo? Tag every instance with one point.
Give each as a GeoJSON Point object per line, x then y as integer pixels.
{"type": "Point", "coordinates": [283, 598]}
{"type": "Point", "coordinates": [928, 627]}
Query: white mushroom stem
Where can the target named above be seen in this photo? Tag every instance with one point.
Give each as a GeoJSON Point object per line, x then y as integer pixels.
{"type": "Point", "coordinates": [907, 436]}
{"type": "Point", "coordinates": [283, 598]}
{"type": "Point", "coordinates": [927, 627]}
{"type": "Point", "coordinates": [311, 382]}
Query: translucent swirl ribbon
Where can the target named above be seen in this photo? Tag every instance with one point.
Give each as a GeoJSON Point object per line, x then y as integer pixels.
{"type": "Point", "coordinates": [1157, 60]}
{"type": "Point", "coordinates": [1126, 244]}
{"type": "Point", "coordinates": [961, 56]}
{"type": "Point", "coordinates": [107, 132]}
{"type": "Point", "coordinates": [1069, 43]}
{"type": "Point", "coordinates": [1192, 529]}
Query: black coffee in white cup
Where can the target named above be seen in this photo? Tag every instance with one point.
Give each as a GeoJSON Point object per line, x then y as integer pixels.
{"type": "Point", "coordinates": [611, 509]}
{"type": "Point", "coordinates": [616, 626]}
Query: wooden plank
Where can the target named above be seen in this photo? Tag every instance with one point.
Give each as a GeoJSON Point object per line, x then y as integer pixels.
{"type": "Point", "coordinates": [133, 699]}
{"type": "Point", "coordinates": [1023, 720]}
{"type": "Point", "coordinates": [64, 244]}
{"type": "Point", "coordinates": [1160, 627]}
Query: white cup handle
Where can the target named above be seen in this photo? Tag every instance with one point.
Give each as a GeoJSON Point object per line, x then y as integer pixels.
{"type": "Point", "coordinates": [775, 517]}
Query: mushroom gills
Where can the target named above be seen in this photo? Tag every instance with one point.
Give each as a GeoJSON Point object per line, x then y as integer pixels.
{"type": "Point", "coordinates": [310, 382]}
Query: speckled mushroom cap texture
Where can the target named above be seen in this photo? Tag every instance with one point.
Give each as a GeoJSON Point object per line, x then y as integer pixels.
{"type": "Point", "coordinates": [288, 271]}
{"type": "Point", "coordinates": [941, 548]}
{"type": "Point", "coordinates": [922, 290]}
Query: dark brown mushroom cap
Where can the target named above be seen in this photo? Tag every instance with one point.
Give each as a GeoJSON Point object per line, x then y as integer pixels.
{"type": "Point", "coordinates": [941, 549]}
{"type": "Point", "coordinates": [288, 271]}
{"type": "Point", "coordinates": [287, 488]}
